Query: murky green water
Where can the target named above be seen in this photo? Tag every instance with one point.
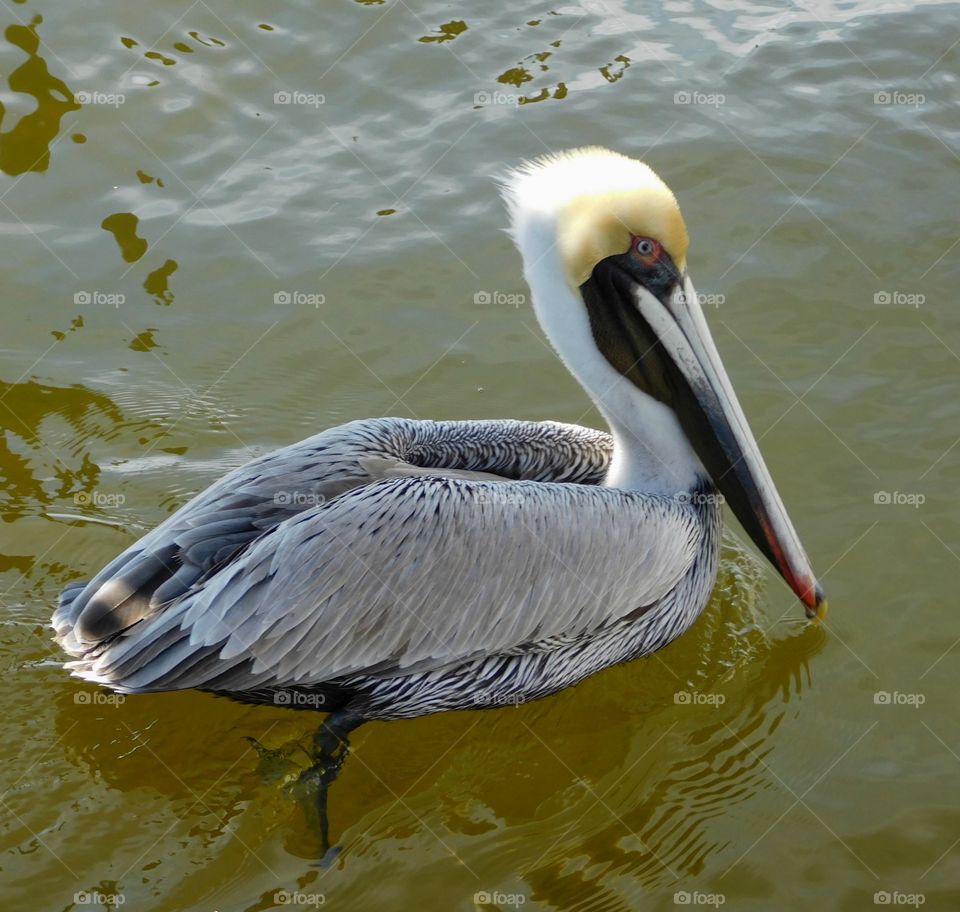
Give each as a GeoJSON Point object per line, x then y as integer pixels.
{"type": "Point", "coordinates": [198, 269]}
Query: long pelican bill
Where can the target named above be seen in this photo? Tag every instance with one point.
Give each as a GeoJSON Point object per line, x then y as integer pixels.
{"type": "Point", "coordinates": [650, 326]}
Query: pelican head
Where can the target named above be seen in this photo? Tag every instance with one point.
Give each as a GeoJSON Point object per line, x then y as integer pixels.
{"type": "Point", "coordinates": [604, 249]}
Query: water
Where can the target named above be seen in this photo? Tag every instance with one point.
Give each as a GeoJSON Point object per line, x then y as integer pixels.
{"type": "Point", "coordinates": [197, 273]}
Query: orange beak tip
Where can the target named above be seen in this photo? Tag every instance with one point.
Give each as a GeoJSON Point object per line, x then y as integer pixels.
{"type": "Point", "coordinates": [818, 610]}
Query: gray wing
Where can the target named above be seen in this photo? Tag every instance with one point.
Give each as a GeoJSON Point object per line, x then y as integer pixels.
{"type": "Point", "coordinates": [412, 573]}
{"type": "Point", "coordinates": [211, 531]}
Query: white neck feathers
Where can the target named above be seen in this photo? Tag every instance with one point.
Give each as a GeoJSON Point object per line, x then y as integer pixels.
{"type": "Point", "coordinates": [651, 452]}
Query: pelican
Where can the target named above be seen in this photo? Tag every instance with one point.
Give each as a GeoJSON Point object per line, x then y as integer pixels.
{"type": "Point", "coordinates": [390, 568]}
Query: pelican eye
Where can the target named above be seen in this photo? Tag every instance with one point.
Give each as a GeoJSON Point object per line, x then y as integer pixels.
{"type": "Point", "coordinates": [647, 248]}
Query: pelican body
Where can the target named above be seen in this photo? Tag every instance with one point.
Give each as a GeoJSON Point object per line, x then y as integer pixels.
{"type": "Point", "coordinates": [391, 568]}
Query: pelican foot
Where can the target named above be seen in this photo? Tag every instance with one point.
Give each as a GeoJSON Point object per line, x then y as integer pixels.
{"type": "Point", "coordinates": [330, 749]}
{"type": "Point", "coordinates": [276, 766]}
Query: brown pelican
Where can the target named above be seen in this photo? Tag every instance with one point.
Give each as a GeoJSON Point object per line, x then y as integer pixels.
{"type": "Point", "coordinates": [390, 568]}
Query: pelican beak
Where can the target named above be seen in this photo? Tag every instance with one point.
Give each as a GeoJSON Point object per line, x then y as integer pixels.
{"type": "Point", "coordinates": [650, 326]}
{"type": "Point", "coordinates": [716, 427]}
